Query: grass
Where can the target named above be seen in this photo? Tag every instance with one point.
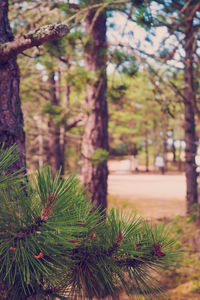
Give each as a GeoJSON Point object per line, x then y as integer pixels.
{"type": "Point", "coordinates": [184, 283]}
{"type": "Point", "coordinates": [115, 201]}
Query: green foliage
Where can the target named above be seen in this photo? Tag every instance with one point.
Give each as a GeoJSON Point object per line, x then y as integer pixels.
{"type": "Point", "coordinates": [184, 281]}
{"type": "Point", "coordinates": [8, 157]}
{"type": "Point", "coordinates": [56, 48]}
{"type": "Point", "coordinates": [118, 57]}
{"type": "Point", "coordinates": [50, 109]}
{"type": "Point", "coordinates": [54, 244]}
{"type": "Point", "coordinates": [98, 156]}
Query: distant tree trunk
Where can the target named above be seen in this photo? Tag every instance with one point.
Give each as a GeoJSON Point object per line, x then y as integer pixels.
{"type": "Point", "coordinates": [40, 140]}
{"type": "Point", "coordinates": [63, 139]}
{"type": "Point", "coordinates": [179, 159]}
{"type": "Point", "coordinates": [174, 152]}
{"type": "Point", "coordinates": [164, 123]}
{"type": "Point", "coordinates": [96, 129]}
{"type": "Point", "coordinates": [11, 118]}
{"type": "Point", "coordinates": [189, 123]}
{"type": "Point", "coordinates": [53, 153]}
{"type": "Point", "coordinates": [146, 151]}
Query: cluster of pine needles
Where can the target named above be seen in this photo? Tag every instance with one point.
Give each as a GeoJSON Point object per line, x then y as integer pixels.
{"type": "Point", "coordinates": [55, 245]}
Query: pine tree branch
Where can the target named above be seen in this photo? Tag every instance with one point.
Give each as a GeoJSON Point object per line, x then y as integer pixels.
{"type": "Point", "coordinates": [22, 233]}
{"type": "Point", "coordinates": [31, 39]}
{"type": "Point", "coordinates": [46, 33]}
{"type": "Point", "coordinates": [115, 245]}
{"type": "Point", "coordinates": [74, 122]}
{"type": "Point", "coordinates": [138, 260]}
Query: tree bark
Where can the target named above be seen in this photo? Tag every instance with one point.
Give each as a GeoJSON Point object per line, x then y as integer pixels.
{"type": "Point", "coordinates": [53, 153]}
{"type": "Point", "coordinates": [189, 122]}
{"type": "Point", "coordinates": [96, 129]}
{"type": "Point", "coordinates": [11, 48]}
{"type": "Point", "coordinates": [11, 118]}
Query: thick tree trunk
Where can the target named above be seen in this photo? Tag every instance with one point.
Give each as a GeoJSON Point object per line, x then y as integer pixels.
{"type": "Point", "coordinates": [96, 129]}
{"type": "Point", "coordinates": [11, 118]}
{"type": "Point", "coordinates": [53, 153]}
{"type": "Point", "coordinates": [189, 123]}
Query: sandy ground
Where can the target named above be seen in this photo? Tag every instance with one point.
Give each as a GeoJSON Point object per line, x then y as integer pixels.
{"type": "Point", "coordinates": [153, 195]}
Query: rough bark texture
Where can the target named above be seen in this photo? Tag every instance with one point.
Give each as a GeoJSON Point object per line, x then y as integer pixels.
{"type": "Point", "coordinates": [96, 129]}
{"type": "Point", "coordinates": [53, 153]}
{"type": "Point", "coordinates": [189, 123]}
{"type": "Point", "coordinates": [31, 39]}
{"type": "Point", "coordinates": [11, 118]}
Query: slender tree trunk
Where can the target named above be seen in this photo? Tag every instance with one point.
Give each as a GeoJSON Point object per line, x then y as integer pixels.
{"type": "Point", "coordinates": [189, 123]}
{"type": "Point", "coordinates": [179, 159]}
{"type": "Point", "coordinates": [11, 118]}
{"type": "Point", "coordinates": [146, 152]}
{"type": "Point", "coordinates": [174, 152]}
{"type": "Point", "coordinates": [40, 140]}
{"type": "Point", "coordinates": [164, 123]}
{"type": "Point", "coordinates": [96, 129]}
{"type": "Point", "coordinates": [53, 154]}
{"type": "Point", "coordinates": [63, 139]}
{"type": "Point", "coordinates": [40, 143]}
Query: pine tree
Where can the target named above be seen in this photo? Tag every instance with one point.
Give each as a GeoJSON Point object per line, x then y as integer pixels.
{"type": "Point", "coordinates": [11, 118]}
{"type": "Point", "coordinates": [181, 18]}
{"type": "Point", "coordinates": [53, 244]}
{"type": "Point", "coordinates": [95, 137]}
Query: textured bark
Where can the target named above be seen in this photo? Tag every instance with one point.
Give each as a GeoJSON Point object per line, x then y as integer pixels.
{"type": "Point", "coordinates": [96, 129]}
{"type": "Point", "coordinates": [189, 123]}
{"type": "Point", "coordinates": [31, 39]}
{"type": "Point", "coordinates": [11, 118]}
{"type": "Point", "coordinates": [53, 153]}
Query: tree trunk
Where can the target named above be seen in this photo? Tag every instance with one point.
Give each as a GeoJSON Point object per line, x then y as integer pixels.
{"type": "Point", "coordinates": [11, 118]}
{"type": "Point", "coordinates": [174, 152]}
{"type": "Point", "coordinates": [164, 125]}
{"type": "Point", "coordinates": [96, 129]}
{"type": "Point", "coordinates": [146, 151]}
{"type": "Point", "coordinates": [53, 153]}
{"type": "Point", "coordinates": [189, 122]}
{"type": "Point", "coordinates": [40, 142]}
{"type": "Point", "coordinates": [63, 139]}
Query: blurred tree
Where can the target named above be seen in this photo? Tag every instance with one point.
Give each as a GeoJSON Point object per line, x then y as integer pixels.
{"type": "Point", "coordinates": [96, 129]}
{"type": "Point", "coordinates": [181, 18]}
{"type": "Point", "coordinates": [11, 119]}
{"type": "Point", "coordinates": [134, 114]}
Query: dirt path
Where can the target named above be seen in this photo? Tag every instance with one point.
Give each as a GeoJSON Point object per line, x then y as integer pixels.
{"type": "Point", "coordinates": [154, 196]}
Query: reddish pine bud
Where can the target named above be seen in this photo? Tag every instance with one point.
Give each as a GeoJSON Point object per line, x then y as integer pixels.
{"type": "Point", "coordinates": [12, 248]}
{"type": "Point", "coordinates": [39, 256]}
{"type": "Point", "coordinates": [92, 235]}
{"type": "Point", "coordinates": [157, 250]}
{"type": "Point", "coordinates": [75, 242]}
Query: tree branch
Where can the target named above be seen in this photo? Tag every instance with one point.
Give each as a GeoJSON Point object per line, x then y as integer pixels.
{"type": "Point", "coordinates": [73, 122]}
{"type": "Point", "coordinates": [46, 33]}
{"type": "Point", "coordinates": [31, 39]}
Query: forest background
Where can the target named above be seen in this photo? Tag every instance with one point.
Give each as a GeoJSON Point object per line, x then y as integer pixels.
{"type": "Point", "coordinates": [152, 92]}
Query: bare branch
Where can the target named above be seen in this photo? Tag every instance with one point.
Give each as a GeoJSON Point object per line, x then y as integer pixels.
{"type": "Point", "coordinates": [73, 122]}
{"type": "Point", "coordinates": [184, 7]}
